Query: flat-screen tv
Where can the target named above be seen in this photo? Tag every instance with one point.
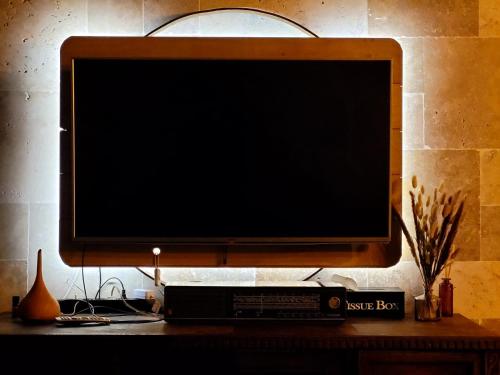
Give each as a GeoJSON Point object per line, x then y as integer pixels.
{"type": "Point", "coordinates": [213, 149]}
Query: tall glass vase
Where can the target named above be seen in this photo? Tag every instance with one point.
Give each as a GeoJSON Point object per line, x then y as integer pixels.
{"type": "Point", "coordinates": [427, 306]}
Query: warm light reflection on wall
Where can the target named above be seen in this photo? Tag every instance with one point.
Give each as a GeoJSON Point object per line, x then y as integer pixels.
{"type": "Point", "coordinates": [451, 112]}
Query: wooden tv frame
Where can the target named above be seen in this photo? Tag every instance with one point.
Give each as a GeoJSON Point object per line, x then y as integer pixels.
{"type": "Point", "coordinates": [106, 253]}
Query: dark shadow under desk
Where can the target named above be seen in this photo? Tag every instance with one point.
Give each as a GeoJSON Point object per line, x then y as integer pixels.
{"type": "Point", "coordinates": [357, 346]}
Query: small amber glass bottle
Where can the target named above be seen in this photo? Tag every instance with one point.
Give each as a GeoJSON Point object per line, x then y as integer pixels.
{"type": "Point", "coordinates": [446, 296]}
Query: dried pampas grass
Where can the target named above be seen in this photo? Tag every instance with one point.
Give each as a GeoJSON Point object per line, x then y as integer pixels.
{"type": "Point", "coordinates": [436, 217]}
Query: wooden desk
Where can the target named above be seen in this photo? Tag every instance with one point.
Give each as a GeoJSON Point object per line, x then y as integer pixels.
{"type": "Point", "coordinates": [358, 346]}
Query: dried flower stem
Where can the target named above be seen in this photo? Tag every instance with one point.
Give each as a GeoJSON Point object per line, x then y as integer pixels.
{"type": "Point", "coordinates": [436, 226]}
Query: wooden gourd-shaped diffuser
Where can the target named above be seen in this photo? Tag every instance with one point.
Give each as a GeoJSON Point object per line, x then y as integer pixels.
{"type": "Point", "coordinates": [39, 304]}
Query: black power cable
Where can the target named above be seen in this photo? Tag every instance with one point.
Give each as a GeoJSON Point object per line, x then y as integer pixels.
{"type": "Point", "coordinates": [254, 10]}
{"type": "Point", "coordinates": [91, 308]}
{"type": "Point", "coordinates": [98, 293]}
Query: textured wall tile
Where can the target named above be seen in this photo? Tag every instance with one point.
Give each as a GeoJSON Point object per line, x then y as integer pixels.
{"type": "Point", "coordinates": [297, 274]}
{"type": "Point", "coordinates": [43, 147]}
{"type": "Point", "coordinates": [462, 92]}
{"type": "Point", "coordinates": [328, 18]}
{"type": "Point", "coordinates": [115, 17]}
{"type": "Point", "coordinates": [458, 170]}
{"type": "Point", "coordinates": [13, 231]}
{"type": "Point", "coordinates": [13, 282]}
{"type": "Point", "coordinates": [413, 121]}
{"type": "Point", "coordinates": [29, 152]}
{"type": "Point", "coordinates": [423, 18]}
{"type": "Point", "coordinates": [490, 233]}
{"type": "Point", "coordinates": [246, 24]}
{"type": "Point", "coordinates": [412, 64]}
{"type": "Point", "coordinates": [187, 27]}
{"type": "Point", "coordinates": [405, 251]}
{"type": "Point", "coordinates": [157, 12]}
{"type": "Point", "coordinates": [43, 232]}
{"type": "Point", "coordinates": [207, 274]}
{"type": "Point", "coordinates": [475, 294]}
{"type": "Point", "coordinates": [31, 33]}
{"type": "Point", "coordinates": [404, 275]}
{"type": "Point", "coordinates": [14, 155]}
{"type": "Point", "coordinates": [489, 18]}
{"type": "Point", "coordinates": [490, 177]}
{"type": "Point", "coordinates": [283, 274]}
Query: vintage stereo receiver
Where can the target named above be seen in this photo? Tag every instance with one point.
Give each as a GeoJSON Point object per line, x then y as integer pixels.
{"type": "Point", "coordinates": [247, 301]}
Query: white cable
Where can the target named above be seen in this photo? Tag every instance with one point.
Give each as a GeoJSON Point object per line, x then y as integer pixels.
{"type": "Point", "coordinates": [91, 307]}
{"type": "Point", "coordinates": [75, 277]}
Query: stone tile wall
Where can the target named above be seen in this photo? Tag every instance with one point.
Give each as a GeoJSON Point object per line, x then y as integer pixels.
{"type": "Point", "coordinates": [451, 126]}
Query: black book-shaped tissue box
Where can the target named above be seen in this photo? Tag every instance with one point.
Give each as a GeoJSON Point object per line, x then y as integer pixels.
{"type": "Point", "coordinates": [376, 303]}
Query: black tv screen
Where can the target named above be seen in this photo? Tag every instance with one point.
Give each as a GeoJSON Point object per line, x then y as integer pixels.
{"type": "Point", "coordinates": [234, 150]}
